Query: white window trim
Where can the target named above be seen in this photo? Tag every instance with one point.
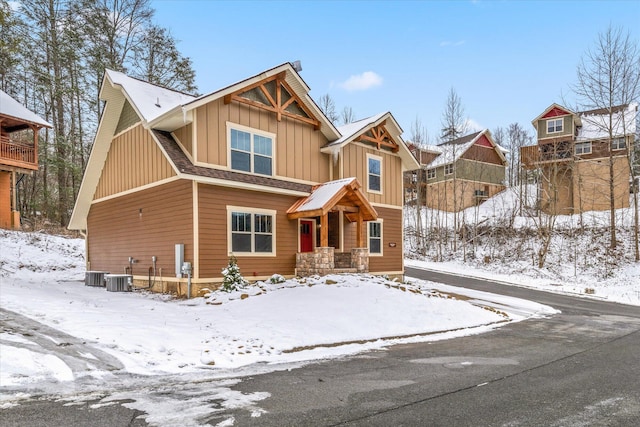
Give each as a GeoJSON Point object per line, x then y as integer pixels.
{"type": "Point", "coordinates": [381, 222]}
{"type": "Point", "coordinates": [583, 145]}
{"type": "Point", "coordinates": [252, 131]}
{"type": "Point", "coordinates": [554, 127]}
{"type": "Point", "coordinates": [450, 165]}
{"type": "Point", "coordinates": [431, 171]}
{"type": "Point", "coordinates": [253, 211]}
{"type": "Point", "coordinates": [378, 158]}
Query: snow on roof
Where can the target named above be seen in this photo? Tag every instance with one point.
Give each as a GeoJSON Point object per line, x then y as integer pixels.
{"type": "Point", "coordinates": [596, 126]}
{"type": "Point", "coordinates": [323, 194]}
{"type": "Point", "coordinates": [350, 129]}
{"type": "Point", "coordinates": [150, 101]}
{"type": "Point", "coordinates": [12, 108]}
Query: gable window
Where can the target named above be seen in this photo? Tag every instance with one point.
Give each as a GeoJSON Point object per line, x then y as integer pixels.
{"type": "Point", "coordinates": [554, 125]}
{"type": "Point", "coordinates": [583, 148]}
{"type": "Point", "coordinates": [431, 173]}
{"type": "Point", "coordinates": [375, 237]}
{"type": "Point", "coordinates": [448, 169]}
{"type": "Point", "coordinates": [374, 173]}
{"type": "Point", "coordinates": [618, 144]}
{"type": "Point", "coordinates": [251, 151]}
{"type": "Point", "coordinates": [251, 231]}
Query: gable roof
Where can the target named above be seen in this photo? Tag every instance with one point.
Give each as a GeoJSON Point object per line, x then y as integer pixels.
{"type": "Point", "coordinates": [325, 197]}
{"type": "Point", "coordinates": [13, 109]}
{"type": "Point", "coordinates": [350, 132]}
{"type": "Point", "coordinates": [451, 151]}
{"type": "Point", "coordinates": [553, 107]}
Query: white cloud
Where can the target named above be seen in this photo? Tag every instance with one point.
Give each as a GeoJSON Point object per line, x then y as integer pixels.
{"type": "Point", "coordinates": [363, 81]}
{"type": "Point", "coordinates": [451, 43]}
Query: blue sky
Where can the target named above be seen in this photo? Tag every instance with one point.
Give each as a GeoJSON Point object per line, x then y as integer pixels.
{"type": "Point", "coordinates": [507, 60]}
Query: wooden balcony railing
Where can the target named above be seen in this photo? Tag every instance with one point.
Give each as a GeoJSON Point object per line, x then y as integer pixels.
{"type": "Point", "coordinates": [18, 153]}
{"type": "Point", "coordinates": [533, 155]}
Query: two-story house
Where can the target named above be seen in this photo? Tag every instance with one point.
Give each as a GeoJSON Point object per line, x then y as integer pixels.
{"type": "Point", "coordinates": [573, 155]}
{"type": "Point", "coordinates": [253, 170]}
{"type": "Point", "coordinates": [19, 129]}
{"type": "Point", "coordinates": [461, 173]}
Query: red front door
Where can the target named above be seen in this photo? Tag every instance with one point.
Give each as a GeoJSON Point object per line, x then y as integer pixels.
{"type": "Point", "coordinates": [306, 236]}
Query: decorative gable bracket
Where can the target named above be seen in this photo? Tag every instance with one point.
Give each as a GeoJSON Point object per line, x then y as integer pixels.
{"type": "Point", "coordinates": [274, 94]}
{"type": "Point", "coordinates": [380, 137]}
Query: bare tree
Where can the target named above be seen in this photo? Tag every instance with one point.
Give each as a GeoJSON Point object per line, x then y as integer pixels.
{"type": "Point", "coordinates": [328, 107]}
{"type": "Point", "coordinates": [608, 76]}
{"type": "Point", "coordinates": [419, 138]}
{"type": "Point", "coordinates": [454, 125]}
{"type": "Point", "coordinates": [347, 116]}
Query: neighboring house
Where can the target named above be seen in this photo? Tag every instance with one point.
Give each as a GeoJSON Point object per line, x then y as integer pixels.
{"type": "Point", "coordinates": [254, 169]}
{"type": "Point", "coordinates": [572, 158]}
{"type": "Point", "coordinates": [19, 129]}
{"type": "Point", "coordinates": [461, 173]}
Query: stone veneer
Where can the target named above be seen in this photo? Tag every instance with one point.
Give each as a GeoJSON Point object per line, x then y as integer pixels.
{"type": "Point", "coordinates": [323, 261]}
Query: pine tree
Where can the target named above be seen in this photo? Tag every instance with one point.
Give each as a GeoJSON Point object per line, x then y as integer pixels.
{"type": "Point", "coordinates": [232, 279]}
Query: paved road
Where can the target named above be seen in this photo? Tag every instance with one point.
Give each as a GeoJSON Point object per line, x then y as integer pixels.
{"type": "Point", "coordinates": [577, 368]}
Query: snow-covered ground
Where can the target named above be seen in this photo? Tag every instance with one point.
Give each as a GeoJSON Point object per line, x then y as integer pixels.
{"type": "Point", "coordinates": [578, 260]}
{"type": "Point", "coordinates": [268, 323]}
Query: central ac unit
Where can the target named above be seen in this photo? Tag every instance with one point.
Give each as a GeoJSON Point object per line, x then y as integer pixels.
{"type": "Point", "coordinates": [118, 282]}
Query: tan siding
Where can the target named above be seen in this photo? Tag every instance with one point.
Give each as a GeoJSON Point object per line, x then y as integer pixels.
{"type": "Point", "coordinates": [297, 150]}
{"type": "Point", "coordinates": [214, 252]}
{"type": "Point", "coordinates": [117, 229]}
{"type": "Point", "coordinates": [355, 158]}
{"type": "Point", "coordinates": [185, 136]}
{"type": "Point", "coordinates": [391, 260]}
{"type": "Point", "coordinates": [134, 160]}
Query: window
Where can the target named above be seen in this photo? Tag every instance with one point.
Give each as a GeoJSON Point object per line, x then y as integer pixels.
{"type": "Point", "coordinates": [431, 173]}
{"type": "Point", "coordinates": [251, 152]}
{"type": "Point", "coordinates": [448, 169]}
{"type": "Point", "coordinates": [583, 148]}
{"type": "Point", "coordinates": [554, 125]}
{"type": "Point", "coordinates": [374, 173]}
{"type": "Point", "coordinates": [618, 144]}
{"type": "Point", "coordinates": [251, 231]}
{"type": "Point", "coordinates": [375, 238]}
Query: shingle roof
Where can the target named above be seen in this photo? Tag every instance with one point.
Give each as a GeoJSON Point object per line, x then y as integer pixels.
{"type": "Point", "coordinates": [184, 165]}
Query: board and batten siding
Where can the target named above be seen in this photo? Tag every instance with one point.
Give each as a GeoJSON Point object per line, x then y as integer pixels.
{"type": "Point", "coordinates": [355, 164]}
{"type": "Point", "coordinates": [185, 136]}
{"type": "Point", "coordinates": [214, 228]}
{"type": "Point", "coordinates": [134, 160]}
{"type": "Point", "coordinates": [297, 148]}
{"type": "Point", "coordinates": [141, 224]}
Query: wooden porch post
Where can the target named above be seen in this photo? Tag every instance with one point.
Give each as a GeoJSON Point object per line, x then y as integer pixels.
{"type": "Point", "coordinates": [35, 130]}
{"type": "Point", "coordinates": [360, 230]}
{"type": "Point", "coordinates": [324, 230]}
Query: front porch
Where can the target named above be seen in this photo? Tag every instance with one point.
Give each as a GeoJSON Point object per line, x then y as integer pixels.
{"type": "Point", "coordinates": [321, 216]}
{"type": "Point", "coordinates": [324, 260]}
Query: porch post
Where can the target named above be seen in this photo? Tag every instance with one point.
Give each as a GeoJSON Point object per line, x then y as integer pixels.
{"type": "Point", "coordinates": [360, 230]}
{"type": "Point", "coordinates": [324, 230]}
{"type": "Point", "coordinates": [35, 130]}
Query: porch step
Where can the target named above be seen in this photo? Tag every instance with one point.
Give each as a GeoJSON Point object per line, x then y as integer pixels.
{"type": "Point", "coordinates": [344, 270]}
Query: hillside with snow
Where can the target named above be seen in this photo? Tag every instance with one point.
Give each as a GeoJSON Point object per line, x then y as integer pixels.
{"type": "Point", "coordinates": [502, 238]}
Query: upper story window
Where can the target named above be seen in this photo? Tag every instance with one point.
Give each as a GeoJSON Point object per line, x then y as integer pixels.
{"type": "Point", "coordinates": [448, 169]}
{"type": "Point", "coordinates": [374, 173]}
{"type": "Point", "coordinates": [251, 231]}
{"type": "Point", "coordinates": [251, 151]}
{"type": "Point", "coordinates": [554, 125]}
{"type": "Point", "coordinates": [618, 144]}
{"type": "Point", "coordinates": [583, 148]}
{"type": "Point", "coordinates": [375, 237]}
{"type": "Point", "coordinates": [431, 173]}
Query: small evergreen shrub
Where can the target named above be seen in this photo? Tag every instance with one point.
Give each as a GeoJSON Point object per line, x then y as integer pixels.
{"type": "Point", "coordinates": [232, 279]}
{"type": "Point", "coordinates": [277, 278]}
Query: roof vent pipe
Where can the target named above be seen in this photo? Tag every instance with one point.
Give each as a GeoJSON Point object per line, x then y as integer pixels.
{"type": "Point", "coordinates": [297, 65]}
